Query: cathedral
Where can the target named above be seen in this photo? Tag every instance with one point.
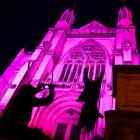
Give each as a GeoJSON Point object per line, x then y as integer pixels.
{"type": "Point", "coordinates": [60, 58]}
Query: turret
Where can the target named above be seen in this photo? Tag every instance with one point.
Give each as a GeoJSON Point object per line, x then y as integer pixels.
{"type": "Point", "coordinates": [124, 16]}
{"type": "Point", "coordinates": [126, 46]}
{"type": "Point", "coordinates": [66, 20]}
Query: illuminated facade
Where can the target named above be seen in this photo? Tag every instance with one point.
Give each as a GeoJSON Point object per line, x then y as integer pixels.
{"type": "Point", "coordinates": [60, 58]}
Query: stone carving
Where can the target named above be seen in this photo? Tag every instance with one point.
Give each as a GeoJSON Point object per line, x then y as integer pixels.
{"type": "Point", "coordinates": [94, 27]}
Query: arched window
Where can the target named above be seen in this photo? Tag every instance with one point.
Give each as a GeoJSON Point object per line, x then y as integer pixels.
{"type": "Point", "coordinates": [91, 71]}
{"type": "Point", "coordinates": [67, 73]}
{"type": "Point", "coordinates": [103, 68]}
{"type": "Point", "coordinates": [97, 71]}
{"type": "Point", "coordinates": [120, 16]}
{"type": "Point", "coordinates": [72, 67]}
{"type": "Point", "coordinates": [63, 72]}
{"type": "Point", "coordinates": [73, 72]}
{"type": "Point", "coordinates": [96, 61]}
{"type": "Point", "coordinates": [100, 68]}
{"type": "Point", "coordinates": [68, 18]}
{"type": "Point", "coordinates": [124, 14]}
{"type": "Point", "coordinates": [91, 56]}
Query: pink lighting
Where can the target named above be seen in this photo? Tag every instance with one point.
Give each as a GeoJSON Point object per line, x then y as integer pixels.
{"type": "Point", "coordinates": [65, 52]}
{"type": "Point", "coordinates": [16, 81]}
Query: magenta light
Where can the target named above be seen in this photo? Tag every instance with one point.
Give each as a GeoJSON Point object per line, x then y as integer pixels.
{"type": "Point", "coordinates": [61, 57]}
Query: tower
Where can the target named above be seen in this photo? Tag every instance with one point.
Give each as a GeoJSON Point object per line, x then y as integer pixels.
{"type": "Point", "coordinates": [126, 46]}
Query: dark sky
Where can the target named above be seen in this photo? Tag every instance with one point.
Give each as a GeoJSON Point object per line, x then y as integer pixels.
{"type": "Point", "coordinates": [23, 23]}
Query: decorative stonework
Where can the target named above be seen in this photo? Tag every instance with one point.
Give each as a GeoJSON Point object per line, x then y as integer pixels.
{"type": "Point", "coordinates": [94, 27]}
{"type": "Point", "coordinates": [92, 35]}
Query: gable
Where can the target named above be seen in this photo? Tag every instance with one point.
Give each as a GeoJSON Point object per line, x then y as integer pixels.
{"type": "Point", "coordinates": [94, 27]}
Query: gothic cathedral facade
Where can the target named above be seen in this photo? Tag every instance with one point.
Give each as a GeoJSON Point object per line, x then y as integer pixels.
{"type": "Point", "coordinates": [60, 58]}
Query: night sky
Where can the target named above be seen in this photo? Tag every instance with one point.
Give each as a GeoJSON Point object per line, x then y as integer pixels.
{"type": "Point", "coordinates": [23, 23]}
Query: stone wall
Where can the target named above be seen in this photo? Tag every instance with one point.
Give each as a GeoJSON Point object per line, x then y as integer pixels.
{"type": "Point", "coordinates": [124, 122]}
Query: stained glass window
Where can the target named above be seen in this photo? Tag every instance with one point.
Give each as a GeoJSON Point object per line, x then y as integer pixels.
{"type": "Point", "coordinates": [67, 72]}
{"type": "Point", "coordinates": [97, 71]}
{"type": "Point", "coordinates": [91, 71]}
{"type": "Point", "coordinates": [124, 14]}
{"type": "Point", "coordinates": [63, 72]}
{"type": "Point", "coordinates": [103, 69]}
{"type": "Point", "coordinates": [79, 70]}
{"type": "Point", "coordinates": [73, 72]}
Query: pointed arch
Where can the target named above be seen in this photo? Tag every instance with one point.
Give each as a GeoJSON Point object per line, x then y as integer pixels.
{"type": "Point", "coordinates": [89, 52]}
{"type": "Point", "coordinates": [63, 105]}
{"type": "Point", "coordinates": [97, 47]}
{"type": "Point", "coordinates": [72, 63]}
